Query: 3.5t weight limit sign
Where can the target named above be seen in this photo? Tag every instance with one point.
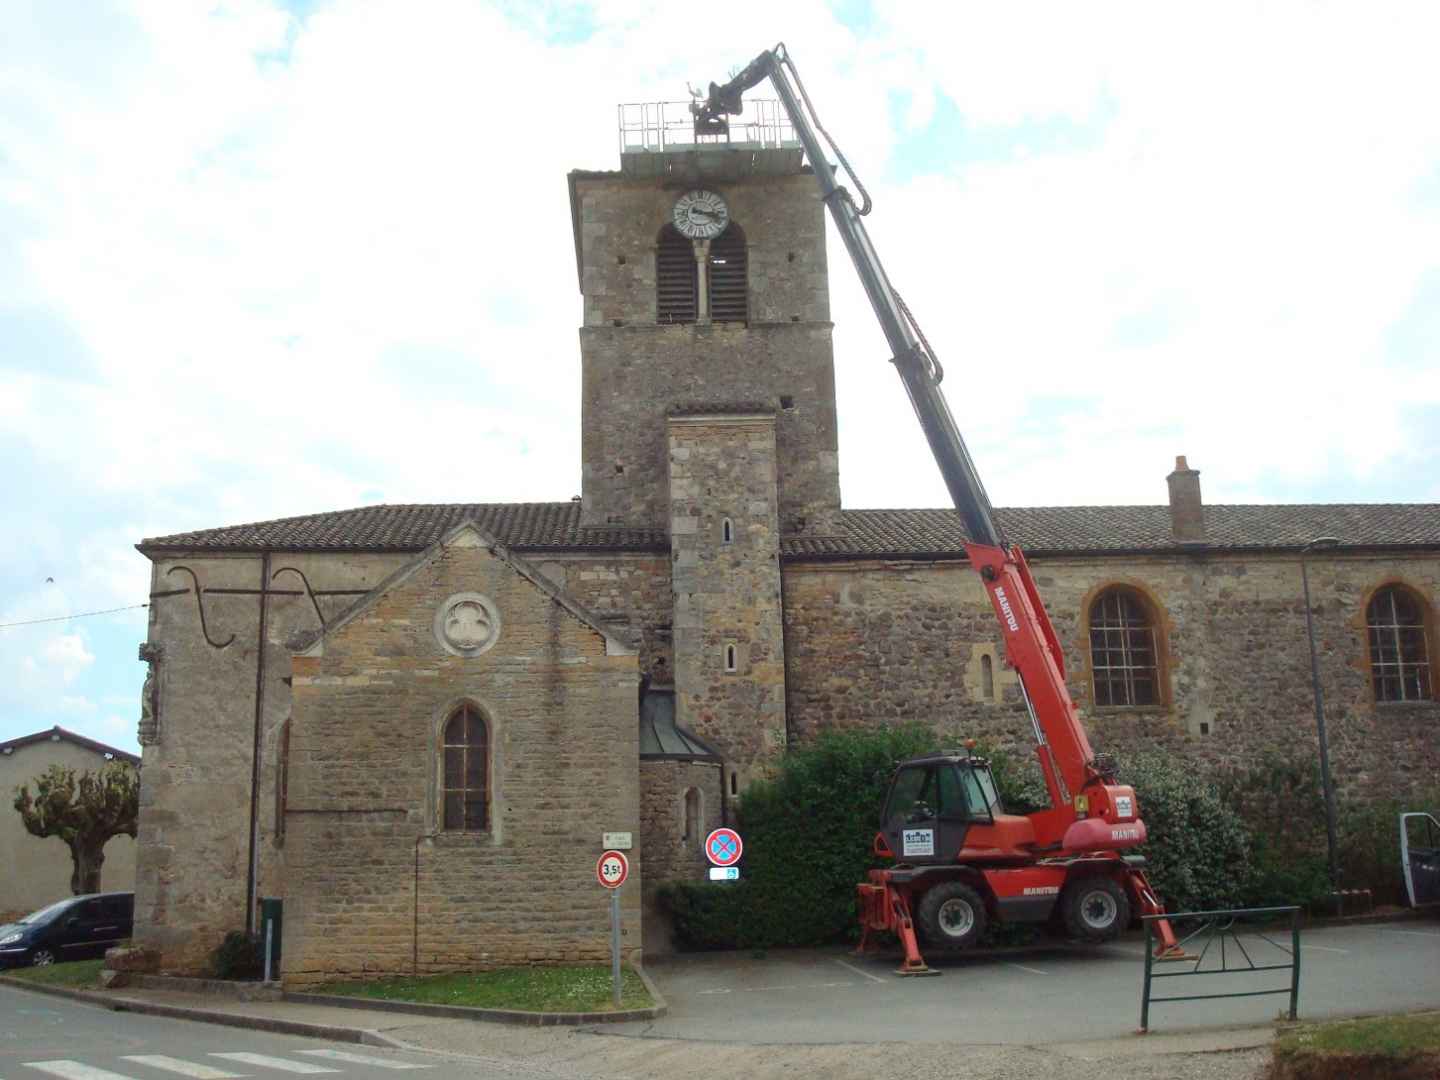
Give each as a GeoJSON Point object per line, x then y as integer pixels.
{"type": "Point", "coordinates": [612, 869]}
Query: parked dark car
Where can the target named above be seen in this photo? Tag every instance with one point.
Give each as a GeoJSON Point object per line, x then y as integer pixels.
{"type": "Point", "coordinates": [75, 928]}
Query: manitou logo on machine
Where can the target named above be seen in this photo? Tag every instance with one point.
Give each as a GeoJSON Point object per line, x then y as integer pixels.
{"type": "Point", "coordinates": [1042, 890]}
{"type": "Point", "coordinates": [1010, 619]}
{"type": "Point", "coordinates": [1124, 834]}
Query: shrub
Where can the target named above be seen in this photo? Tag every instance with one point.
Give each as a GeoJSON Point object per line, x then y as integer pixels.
{"type": "Point", "coordinates": [808, 832]}
{"type": "Point", "coordinates": [1369, 844]}
{"type": "Point", "coordinates": [239, 956]}
{"type": "Point", "coordinates": [1198, 848]}
{"type": "Point", "coordinates": [1281, 801]}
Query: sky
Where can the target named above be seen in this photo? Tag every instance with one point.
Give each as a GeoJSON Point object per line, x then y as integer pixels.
{"type": "Point", "coordinates": [260, 259]}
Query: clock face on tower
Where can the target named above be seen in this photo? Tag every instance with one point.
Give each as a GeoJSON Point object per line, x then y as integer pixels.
{"type": "Point", "coordinates": [701, 215]}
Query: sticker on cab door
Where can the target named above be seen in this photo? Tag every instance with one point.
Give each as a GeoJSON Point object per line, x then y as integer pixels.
{"type": "Point", "coordinates": [917, 842]}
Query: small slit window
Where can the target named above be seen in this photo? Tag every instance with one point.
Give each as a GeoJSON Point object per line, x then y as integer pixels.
{"type": "Point", "coordinates": [727, 531]}
{"type": "Point", "coordinates": [728, 282]}
{"type": "Point", "coordinates": [1122, 651]}
{"type": "Point", "coordinates": [692, 815]}
{"type": "Point", "coordinates": [730, 658]}
{"type": "Point", "coordinates": [466, 772]}
{"type": "Point", "coordinates": [675, 278]}
{"type": "Point", "coordinates": [987, 677]}
{"type": "Point", "coordinates": [1399, 650]}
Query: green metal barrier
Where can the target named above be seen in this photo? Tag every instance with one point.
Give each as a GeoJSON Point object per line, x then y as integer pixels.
{"type": "Point", "coordinates": [1231, 958]}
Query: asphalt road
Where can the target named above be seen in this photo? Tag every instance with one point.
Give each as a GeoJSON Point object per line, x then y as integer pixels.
{"type": "Point", "coordinates": [1036, 997]}
{"type": "Point", "coordinates": [47, 1038]}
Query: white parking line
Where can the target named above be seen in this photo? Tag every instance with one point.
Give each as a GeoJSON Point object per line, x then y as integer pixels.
{"type": "Point", "coordinates": [74, 1070]}
{"type": "Point", "coordinates": [858, 971]}
{"type": "Point", "coordinates": [1412, 933]}
{"type": "Point", "coordinates": [1022, 967]}
{"type": "Point", "coordinates": [266, 1062]}
{"type": "Point", "coordinates": [1324, 948]}
{"type": "Point", "coordinates": [184, 1068]}
{"type": "Point", "coordinates": [361, 1059]}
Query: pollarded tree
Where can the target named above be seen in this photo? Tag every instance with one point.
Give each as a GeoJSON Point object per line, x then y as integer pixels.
{"type": "Point", "coordinates": [85, 811]}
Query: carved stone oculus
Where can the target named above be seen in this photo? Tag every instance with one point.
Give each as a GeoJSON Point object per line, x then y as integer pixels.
{"type": "Point", "coordinates": [467, 624]}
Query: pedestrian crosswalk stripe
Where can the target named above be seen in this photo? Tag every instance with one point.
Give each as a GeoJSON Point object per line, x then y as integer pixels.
{"type": "Point", "coordinates": [266, 1062]}
{"type": "Point", "coordinates": [74, 1070]}
{"type": "Point", "coordinates": [361, 1059]}
{"type": "Point", "coordinates": [184, 1068]}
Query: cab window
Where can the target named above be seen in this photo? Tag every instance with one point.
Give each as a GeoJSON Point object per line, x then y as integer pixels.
{"type": "Point", "coordinates": [913, 796]}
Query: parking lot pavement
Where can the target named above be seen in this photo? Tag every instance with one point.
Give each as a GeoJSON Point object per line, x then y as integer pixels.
{"type": "Point", "coordinates": [1042, 995]}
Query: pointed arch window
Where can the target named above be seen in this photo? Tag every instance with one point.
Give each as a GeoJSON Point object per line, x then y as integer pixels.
{"type": "Point", "coordinates": [466, 751]}
{"type": "Point", "coordinates": [1396, 623]}
{"type": "Point", "coordinates": [1123, 654]}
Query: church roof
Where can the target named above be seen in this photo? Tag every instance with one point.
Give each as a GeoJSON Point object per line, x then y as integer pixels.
{"type": "Point", "coordinates": [1040, 530]}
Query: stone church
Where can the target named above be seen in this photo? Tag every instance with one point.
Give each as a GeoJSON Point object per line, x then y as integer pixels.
{"type": "Point", "coordinates": [414, 723]}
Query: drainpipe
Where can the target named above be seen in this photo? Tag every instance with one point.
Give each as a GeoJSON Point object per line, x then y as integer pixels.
{"type": "Point", "coordinates": [252, 882]}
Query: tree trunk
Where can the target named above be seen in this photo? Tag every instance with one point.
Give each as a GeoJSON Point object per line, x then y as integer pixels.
{"type": "Point", "coordinates": [86, 861]}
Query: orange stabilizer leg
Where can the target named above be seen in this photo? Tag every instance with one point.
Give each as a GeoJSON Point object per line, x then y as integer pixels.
{"type": "Point", "coordinates": [1167, 948]}
{"type": "Point", "coordinates": [914, 963]}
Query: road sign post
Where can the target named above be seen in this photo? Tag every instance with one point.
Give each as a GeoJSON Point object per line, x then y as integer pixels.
{"type": "Point", "coordinates": [611, 871]}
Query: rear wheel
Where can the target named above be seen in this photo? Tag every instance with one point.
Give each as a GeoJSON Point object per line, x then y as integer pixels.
{"type": "Point", "coordinates": [1096, 909]}
{"type": "Point", "coordinates": [42, 958]}
{"type": "Point", "coordinates": [952, 914]}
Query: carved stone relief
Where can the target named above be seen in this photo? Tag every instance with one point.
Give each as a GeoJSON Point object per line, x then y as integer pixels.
{"type": "Point", "coordinates": [467, 624]}
{"type": "Point", "coordinates": [149, 732]}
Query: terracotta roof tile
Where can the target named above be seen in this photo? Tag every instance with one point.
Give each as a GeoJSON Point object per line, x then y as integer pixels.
{"type": "Point", "coordinates": [861, 533]}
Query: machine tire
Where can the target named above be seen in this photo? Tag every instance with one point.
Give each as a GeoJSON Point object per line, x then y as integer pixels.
{"type": "Point", "coordinates": [42, 958]}
{"type": "Point", "coordinates": [1095, 908]}
{"type": "Point", "coordinates": [952, 915]}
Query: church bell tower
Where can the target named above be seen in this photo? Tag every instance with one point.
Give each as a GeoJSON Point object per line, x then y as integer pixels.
{"type": "Point", "coordinates": [708, 392]}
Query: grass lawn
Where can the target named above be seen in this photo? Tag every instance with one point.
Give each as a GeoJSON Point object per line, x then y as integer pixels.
{"type": "Point", "coordinates": [79, 973]}
{"type": "Point", "coordinates": [531, 989]}
{"type": "Point", "coordinates": [1393, 1037]}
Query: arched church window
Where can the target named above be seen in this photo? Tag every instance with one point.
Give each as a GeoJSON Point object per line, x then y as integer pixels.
{"type": "Point", "coordinates": [1123, 655]}
{"type": "Point", "coordinates": [675, 278]}
{"type": "Point", "coordinates": [1395, 621]}
{"type": "Point", "coordinates": [728, 282]}
{"type": "Point", "coordinates": [466, 771]}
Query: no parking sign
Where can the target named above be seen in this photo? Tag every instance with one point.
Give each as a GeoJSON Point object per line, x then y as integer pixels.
{"type": "Point", "coordinates": [723, 847]}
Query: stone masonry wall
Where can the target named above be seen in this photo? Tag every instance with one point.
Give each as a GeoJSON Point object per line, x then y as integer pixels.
{"type": "Point", "coordinates": [727, 592]}
{"type": "Point", "coordinates": [633, 370]}
{"type": "Point", "coordinates": [871, 643]}
{"type": "Point", "coordinates": [375, 885]}
{"type": "Point", "coordinates": [666, 851]}
{"type": "Point", "coordinates": [193, 833]}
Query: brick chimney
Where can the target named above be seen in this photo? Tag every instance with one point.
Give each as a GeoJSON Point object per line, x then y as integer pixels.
{"type": "Point", "coordinates": [1187, 512]}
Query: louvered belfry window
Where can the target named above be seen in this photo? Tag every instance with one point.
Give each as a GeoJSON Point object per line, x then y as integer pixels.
{"type": "Point", "coordinates": [675, 278]}
{"type": "Point", "coordinates": [728, 285]}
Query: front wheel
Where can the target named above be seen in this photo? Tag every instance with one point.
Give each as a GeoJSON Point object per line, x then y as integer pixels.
{"type": "Point", "coordinates": [1095, 909]}
{"type": "Point", "coordinates": [952, 914]}
{"type": "Point", "coordinates": [42, 958]}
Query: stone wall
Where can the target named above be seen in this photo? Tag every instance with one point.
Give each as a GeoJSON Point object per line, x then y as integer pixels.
{"type": "Point", "coordinates": [193, 839]}
{"type": "Point", "coordinates": [879, 643]}
{"type": "Point", "coordinates": [375, 884]}
{"type": "Point", "coordinates": [667, 851]}
{"type": "Point", "coordinates": [634, 371]}
{"type": "Point", "coordinates": [729, 640]}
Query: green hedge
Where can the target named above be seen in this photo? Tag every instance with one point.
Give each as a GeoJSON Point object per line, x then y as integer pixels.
{"type": "Point", "coordinates": [1248, 837]}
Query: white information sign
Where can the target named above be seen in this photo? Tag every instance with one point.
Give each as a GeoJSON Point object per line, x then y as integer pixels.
{"type": "Point", "coordinates": [724, 873]}
{"type": "Point", "coordinates": [618, 840]}
{"type": "Point", "coordinates": [917, 842]}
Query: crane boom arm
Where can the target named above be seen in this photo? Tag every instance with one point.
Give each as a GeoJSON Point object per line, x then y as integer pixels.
{"type": "Point", "coordinates": [1076, 787]}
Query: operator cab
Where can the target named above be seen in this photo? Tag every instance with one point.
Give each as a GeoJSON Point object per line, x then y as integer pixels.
{"type": "Point", "coordinates": [934, 801]}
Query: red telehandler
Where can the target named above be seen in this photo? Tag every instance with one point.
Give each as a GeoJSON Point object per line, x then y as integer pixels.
{"type": "Point", "coordinates": [962, 860]}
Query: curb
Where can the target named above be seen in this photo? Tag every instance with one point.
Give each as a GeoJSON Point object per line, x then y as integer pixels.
{"type": "Point", "coordinates": [206, 1016]}
{"type": "Point", "coordinates": [502, 1016]}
